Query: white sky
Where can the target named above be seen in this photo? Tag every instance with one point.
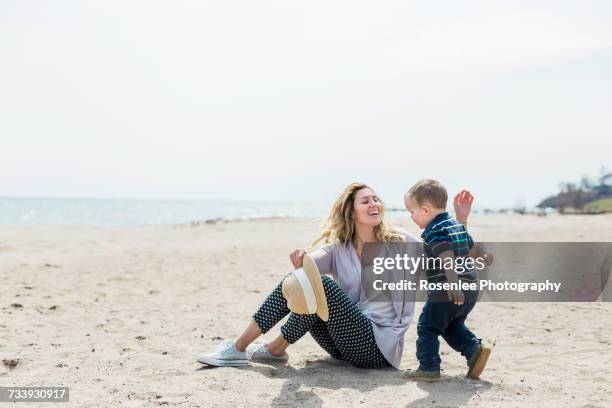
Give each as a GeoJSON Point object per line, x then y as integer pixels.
{"type": "Point", "coordinates": [280, 100]}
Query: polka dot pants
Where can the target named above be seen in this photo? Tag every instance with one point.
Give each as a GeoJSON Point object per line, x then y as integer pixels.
{"type": "Point", "coordinates": [347, 335]}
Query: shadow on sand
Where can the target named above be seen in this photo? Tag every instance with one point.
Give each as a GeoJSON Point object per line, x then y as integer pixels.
{"type": "Point", "coordinates": [325, 373]}
{"type": "Point", "coordinates": [332, 374]}
{"type": "Point", "coordinates": [456, 391]}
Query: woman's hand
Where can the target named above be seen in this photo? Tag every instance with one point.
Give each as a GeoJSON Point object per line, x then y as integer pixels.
{"type": "Point", "coordinates": [463, 205]}
{"type": "Point", "coordinates": [296, 257]}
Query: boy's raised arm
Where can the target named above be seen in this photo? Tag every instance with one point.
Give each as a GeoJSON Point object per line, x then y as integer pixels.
{"type": "Point", "coordinates": [462, 203]}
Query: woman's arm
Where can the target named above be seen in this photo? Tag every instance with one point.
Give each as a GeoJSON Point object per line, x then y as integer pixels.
{"type": "Point", "coordinates": [297, 257]}
{"type": "Point", "coordinates": [322, 257]}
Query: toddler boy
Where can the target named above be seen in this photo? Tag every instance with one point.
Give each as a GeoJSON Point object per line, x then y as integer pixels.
{"type": "Point", "coordinates": [445, 312]}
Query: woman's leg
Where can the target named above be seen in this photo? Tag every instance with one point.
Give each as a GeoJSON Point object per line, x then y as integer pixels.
{"type": "Point", "coordinates": [350, 331]}
{"type": "Point", "coordinates": [318, 332]}
{"type": "Point", "coordinates": [272, 311]}
{"type": "Point", "coordinates": [322, 337]}
{"type": "Point", "coordinates": [278, 346]}
{"type": "Point", "coordinates": [347, 335]}
{"type": "Point", "coordinates": [248, 335]}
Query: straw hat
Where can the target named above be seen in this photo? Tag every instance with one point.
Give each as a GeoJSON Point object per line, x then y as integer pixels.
{"type": "Point", "coordinates": [304, 291]}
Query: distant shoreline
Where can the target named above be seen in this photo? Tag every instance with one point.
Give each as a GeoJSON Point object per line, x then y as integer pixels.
{"type": "Point", "coordinates": [395, 217]}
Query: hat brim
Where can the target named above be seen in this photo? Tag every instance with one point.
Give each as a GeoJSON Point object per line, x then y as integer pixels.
{"type": "Point", "coordinates": [312, 271]}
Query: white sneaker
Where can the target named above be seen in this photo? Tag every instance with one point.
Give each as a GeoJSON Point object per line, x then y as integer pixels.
{"type": "Point", "coordinates": [225, 355]}
{"type": "Point", "coordinates": [259, 351]}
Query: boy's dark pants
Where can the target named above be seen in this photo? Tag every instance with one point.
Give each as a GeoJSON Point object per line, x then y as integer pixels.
{"type": "Point", "coordinates": [443, 318]}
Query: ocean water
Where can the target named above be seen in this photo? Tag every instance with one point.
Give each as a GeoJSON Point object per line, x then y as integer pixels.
{"type": "Point", "coordinates": [133, 212]}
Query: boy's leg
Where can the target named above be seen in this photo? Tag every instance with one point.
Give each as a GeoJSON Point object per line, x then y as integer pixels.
{"type": "Point", "coordinates": [457, 334]}
{"type": "Point", "coordinates": [433, 322]}
{"type": "Point", "coordinates": [460, 338]}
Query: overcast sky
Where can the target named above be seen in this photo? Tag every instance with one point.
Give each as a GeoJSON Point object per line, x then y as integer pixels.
{"type": "Point", "coordinates": [283, 100]}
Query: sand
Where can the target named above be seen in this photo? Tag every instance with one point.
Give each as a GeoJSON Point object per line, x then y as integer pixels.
{"type": "Point", "coordinates": [119, 316]}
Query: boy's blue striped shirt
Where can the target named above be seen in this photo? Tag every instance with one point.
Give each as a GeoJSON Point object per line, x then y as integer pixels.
{"type": "Point", "coordinates": [442, 234]}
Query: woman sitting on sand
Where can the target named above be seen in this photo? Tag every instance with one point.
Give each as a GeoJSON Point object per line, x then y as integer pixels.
{"type": "Point", "coordinates": [366, 334]}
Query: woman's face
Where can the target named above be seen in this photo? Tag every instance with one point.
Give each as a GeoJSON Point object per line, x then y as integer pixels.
{"type": "Point", "coordinates": [367, 208]}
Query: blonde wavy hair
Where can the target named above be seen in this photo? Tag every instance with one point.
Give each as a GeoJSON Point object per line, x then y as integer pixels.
{"type": "Point", "coordinates": [340, 226]}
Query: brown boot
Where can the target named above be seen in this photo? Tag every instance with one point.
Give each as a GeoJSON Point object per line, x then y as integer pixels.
{"type": "Point", "coordinates": [478, 361]}
{"type": "Point", "coordinates": [420, 375]}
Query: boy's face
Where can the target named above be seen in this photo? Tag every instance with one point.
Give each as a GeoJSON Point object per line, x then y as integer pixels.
{"type": "Point", "coordinates": [421, 214]}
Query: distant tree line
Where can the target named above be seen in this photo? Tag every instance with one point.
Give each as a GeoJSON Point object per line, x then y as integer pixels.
{"type": "Point", "coordinates": [576, 196]}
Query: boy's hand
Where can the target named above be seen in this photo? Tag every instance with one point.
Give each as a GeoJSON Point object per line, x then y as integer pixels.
{"type": "Point", "coordinates": [456, 296]}
{"type": "Point", "coordinates": [488, 258]}
{"type": "Point", "coordinates": [463, 205]}
{"type": "Point", "coordinates": [297, 257]}
{"type": "Point", "coordinates": [477, 252]}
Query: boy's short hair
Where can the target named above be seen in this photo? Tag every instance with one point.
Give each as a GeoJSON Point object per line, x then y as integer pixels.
{"type": "Point", "coordinates": [428, 190]}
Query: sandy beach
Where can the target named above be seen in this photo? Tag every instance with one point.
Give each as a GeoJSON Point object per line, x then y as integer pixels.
{"type": "Point", "coordinates": [120, 314]}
